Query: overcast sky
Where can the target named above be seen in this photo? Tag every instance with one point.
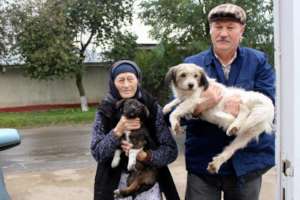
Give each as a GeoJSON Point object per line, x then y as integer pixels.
{"type": "Point", "coordinates": [139, 28]}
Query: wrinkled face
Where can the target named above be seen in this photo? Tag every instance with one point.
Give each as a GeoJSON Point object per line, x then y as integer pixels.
{"type": "Point", "coordinates": [226, 35]}
{"type": "Point", "coordinates": [126, 84]}
{"type": "Point", "coordinates": [188, 77]}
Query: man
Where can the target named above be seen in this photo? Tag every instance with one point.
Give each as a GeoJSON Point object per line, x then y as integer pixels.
{"type": "Point", "coordinates": [240, 177]}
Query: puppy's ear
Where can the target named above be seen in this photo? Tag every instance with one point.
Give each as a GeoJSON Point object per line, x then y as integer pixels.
{"type": "Point", "coordinates": [120, 103]}
{"type": "Point", "coordinates": [147, 112]}
{"type": "Point", "coordinates": [203, 82]}
{"type": "Point", "coordinates": [170, 76]}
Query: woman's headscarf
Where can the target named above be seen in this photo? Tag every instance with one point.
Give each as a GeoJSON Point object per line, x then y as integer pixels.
{"type": "Point", "coordinates": [119, 67]}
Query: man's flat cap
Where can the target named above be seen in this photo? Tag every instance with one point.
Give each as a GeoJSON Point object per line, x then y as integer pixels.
{"type": "Point", "coordinates": [228, 12]}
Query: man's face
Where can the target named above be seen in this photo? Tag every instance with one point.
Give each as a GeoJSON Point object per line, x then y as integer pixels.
{"type": "Point", "coordinates": [226, 35]}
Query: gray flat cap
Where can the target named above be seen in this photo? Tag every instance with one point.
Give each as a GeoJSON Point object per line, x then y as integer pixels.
{"type": "Point", "coordinates": [229, 12]}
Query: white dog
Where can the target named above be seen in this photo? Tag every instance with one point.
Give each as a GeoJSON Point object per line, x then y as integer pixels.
{"type": "Point", "coordinates": [256, 113]}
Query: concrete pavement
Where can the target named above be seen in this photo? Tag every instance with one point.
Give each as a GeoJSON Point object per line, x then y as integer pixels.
{"type": "Point", "coordinates": [75, 182]}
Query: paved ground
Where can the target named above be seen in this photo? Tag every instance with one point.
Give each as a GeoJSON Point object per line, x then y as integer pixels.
{"type": "Point", "coordinates": [74, 181]}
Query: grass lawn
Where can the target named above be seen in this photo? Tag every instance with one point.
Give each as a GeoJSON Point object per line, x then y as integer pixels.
{"type": "Point", "coordinates": [46, 118]}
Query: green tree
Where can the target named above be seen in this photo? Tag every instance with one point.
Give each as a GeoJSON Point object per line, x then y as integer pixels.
{"type": "Point", "coordinates": [100, 20]}
{"type": "Point", "coordinates": [123, 46]}
{"type": "Point", "coordinates": [185, 21]}
{"type": "Point", "coordinates": [46, 43]}
{"type": "Point", "coordinates": [2, 29]}
{"type": "Point", "coordinates": [154, 64]}
{"type": "Point", "coordinates": [53, 35]}
{"type": "Point", "coordinates": [6, 34]}
{"type": "Point", "coordinates": [182, 28]}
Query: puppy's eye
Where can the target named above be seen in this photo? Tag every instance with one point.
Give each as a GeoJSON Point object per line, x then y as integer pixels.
{"type": "Point", "coordinates": [183, 75]}
{"type": "Point", "coordinates": [196, 75]}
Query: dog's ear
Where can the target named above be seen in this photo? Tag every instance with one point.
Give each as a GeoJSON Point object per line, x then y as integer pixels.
{"type": "Point", "coordinates": [143, 112]}
{"type": "Point", "coordinates": [120, 103]}
{"type": "Point", "coordinates": [170, 76]}
{"type": "Point", "coordinates": [203, 82]}
{"type": "Point", "coordinates": [147, 112]}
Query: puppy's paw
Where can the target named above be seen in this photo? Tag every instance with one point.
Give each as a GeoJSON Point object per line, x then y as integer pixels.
{"type": "Point", "coordinates": [211, 168]}
{"type": "Point", "coordinates": [232, 130]}
{"type": "Point", "coordinates": [132, 159]}
{"type": "Point", "coordinates": [214, 166]}
{"type": "Point", "coordinates": [131, 167]}
{"type": "Point", "coordinates": [117, 194]}
{"type": "Point", "coordinates": [177, 129]}
{"type": "Point", "coordinates": [166, 109]}
{"type": "Point", "coordinates": [115, 162]}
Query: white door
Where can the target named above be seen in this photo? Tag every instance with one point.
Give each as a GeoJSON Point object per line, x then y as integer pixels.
{"type": "Point", "coordinates": [287, 63]}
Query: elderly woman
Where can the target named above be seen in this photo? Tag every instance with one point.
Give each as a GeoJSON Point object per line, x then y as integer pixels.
{"type": "Point", "coordinates": [109, 127]}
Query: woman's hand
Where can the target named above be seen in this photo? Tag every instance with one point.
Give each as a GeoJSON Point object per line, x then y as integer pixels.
{"type": "Point", "coordinates": [232, 105]}
{"type": "Point", "coordinates": [142, 155]}
{"type": "Point", "coordinates": [125, 124]}
{"type": "Point", "coordinates": [212, 95]}
{"type": "Point", "coordinates": [126, 146]}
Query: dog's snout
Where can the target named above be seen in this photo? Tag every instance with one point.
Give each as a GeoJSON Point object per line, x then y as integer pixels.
{"type": "Point", "coordinates": [190, 85]}
{"type": "Point", "coordinates": [131, 114]}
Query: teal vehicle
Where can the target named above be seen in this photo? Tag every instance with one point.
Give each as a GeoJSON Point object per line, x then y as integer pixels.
{"type": "Point", "coordinates": [8, 139]}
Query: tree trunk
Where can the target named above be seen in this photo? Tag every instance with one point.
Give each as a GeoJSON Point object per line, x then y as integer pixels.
{"type": "Point", "coordinates": [83, 99]}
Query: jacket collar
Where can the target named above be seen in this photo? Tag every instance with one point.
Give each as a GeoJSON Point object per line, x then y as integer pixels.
{"type": "Point", "coordinates": [212, 61]}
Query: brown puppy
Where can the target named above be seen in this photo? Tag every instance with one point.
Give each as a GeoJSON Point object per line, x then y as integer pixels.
{"type": "Point", "coordinates": [141, 176]}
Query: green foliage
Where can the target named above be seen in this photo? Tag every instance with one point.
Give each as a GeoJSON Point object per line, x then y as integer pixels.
{"type": "Point", "coordinates": [101, 19]}
{"type": "Point", "coordinates": [2, 30]}
{"type": "Point", "coordinates": [185, 21]}
{"type": "Point", "coordinates": [154, 64]}
{"type": "Point", "coordinates": [44, 40]}
{"type": "Point", "coordinates": [123, 45]}
{"type": "Point", "coordinates": [6, 34]}
{"type": "Point", "coordinates": [53, 35]}
{"type": "Point", "coordinates": [182, 28]}
{"type": "Point", "coordinates": [50, 33]}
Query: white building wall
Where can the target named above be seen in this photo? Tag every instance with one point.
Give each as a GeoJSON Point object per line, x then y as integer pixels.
{"type": "Point", "coordinates": [17, 90]}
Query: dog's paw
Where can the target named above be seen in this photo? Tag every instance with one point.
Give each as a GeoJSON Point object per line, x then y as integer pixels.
{"type": "Point", "coordinates": [117, 194]}
{"type": "Point", "coordinates": [131, 166]}
{"type": "Point", "coordinates": [177, 129]}
{"type": "Point", "coordinates": [116, 159]}
{"type": "Point", "coordinates": [166, 109]}
{"type": "Point", "coordinates": [115, 162]}
{"type": "Point", "coordinates": [232, 130]}
{"type": "Point", "coordinates": [214, 166]}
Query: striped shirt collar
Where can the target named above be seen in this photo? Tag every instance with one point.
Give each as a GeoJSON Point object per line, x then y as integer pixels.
{"type": "Point", "coordinates": [226, 67]}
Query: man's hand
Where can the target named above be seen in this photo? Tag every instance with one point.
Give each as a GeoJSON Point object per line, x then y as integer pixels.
{"type": "Point", "coordinates": [212, 95]}
{"type": "Point", "coordinates": [232, 105]}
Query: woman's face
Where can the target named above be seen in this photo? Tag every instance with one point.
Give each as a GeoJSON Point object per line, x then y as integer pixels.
{"type": "Point", "coordinates": [126, 83]}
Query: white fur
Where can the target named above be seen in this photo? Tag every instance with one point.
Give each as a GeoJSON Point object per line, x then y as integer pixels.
{"type": "Point", "coordinates": [255, 116]}
{"type": "Point", "coordinates": [117, 155]}
{"type": "Point", "coordinates": [132, 158]}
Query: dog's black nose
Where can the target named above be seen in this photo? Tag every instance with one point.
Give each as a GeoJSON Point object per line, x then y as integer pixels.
{"type": "Point", "coordinates": [191, 85]}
